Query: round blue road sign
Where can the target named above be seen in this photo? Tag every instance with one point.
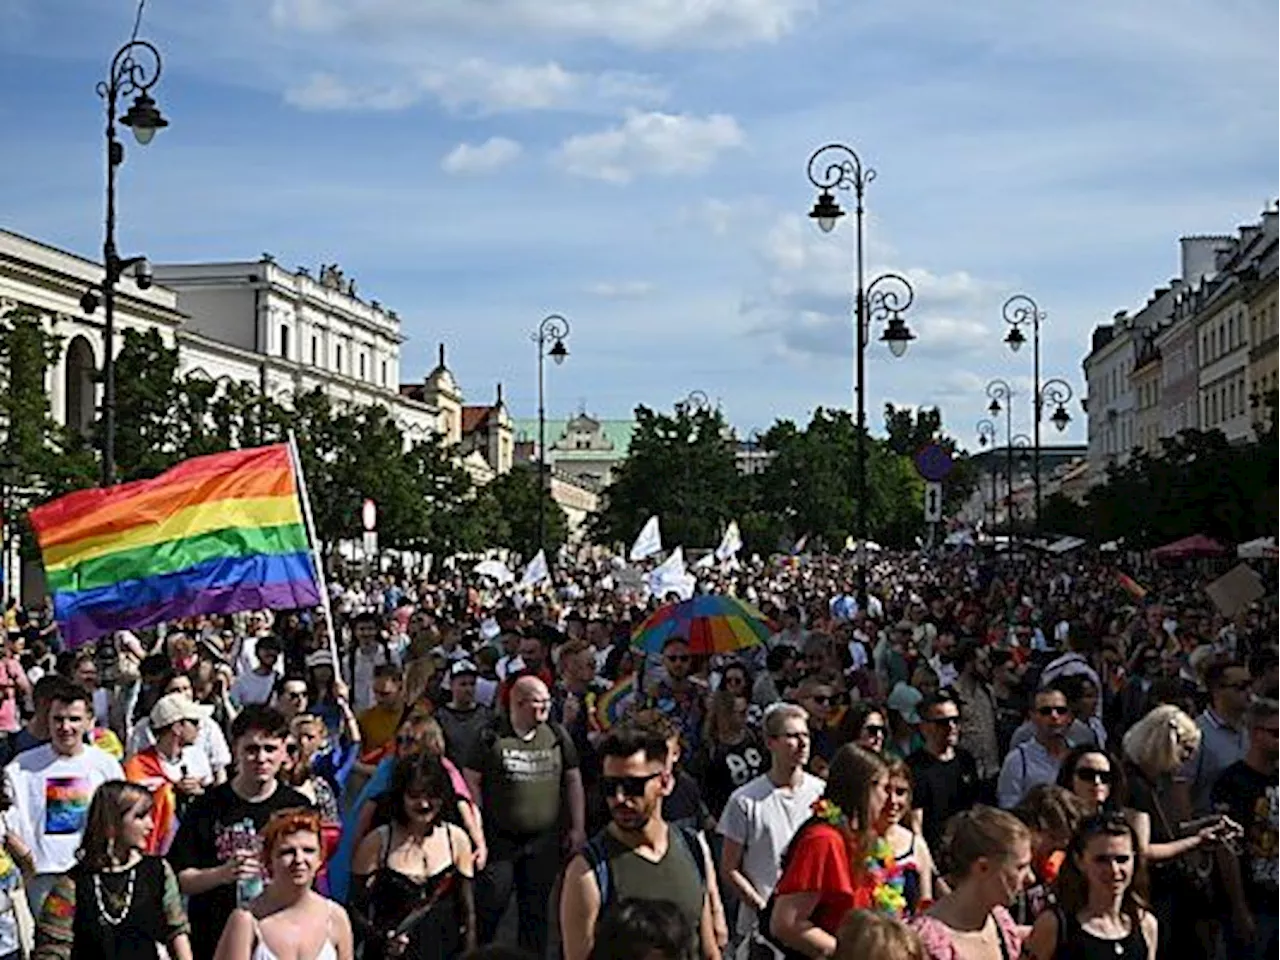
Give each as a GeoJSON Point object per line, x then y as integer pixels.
{"type": "Point", "coordinates": [933, 463]}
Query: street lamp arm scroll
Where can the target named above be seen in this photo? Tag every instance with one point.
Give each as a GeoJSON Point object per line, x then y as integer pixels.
{"type": "Point", "coordinates": [130, 75]}
{"type": "Point", "coordinates": [1057, 392]}
{"type": "Point", "coordinates": [553, 327]}
{"type": "Point", "coordinates": [838, 167]}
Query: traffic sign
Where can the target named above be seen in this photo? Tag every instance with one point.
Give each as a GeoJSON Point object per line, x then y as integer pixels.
{"type": "Point", "coordinates": [369, 515]}
{"type": "Point", "coordinates": [933, 502]}
{"type": "Point", "coordinates": [933, 463]}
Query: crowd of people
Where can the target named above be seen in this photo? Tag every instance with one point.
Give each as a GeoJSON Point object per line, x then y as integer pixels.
{"type": "Point", "coordinates": [991, 757]}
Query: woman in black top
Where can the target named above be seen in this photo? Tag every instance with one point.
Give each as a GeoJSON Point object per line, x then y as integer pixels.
{"type": "Point", "coordinates": [411, 883]}
{"type": "Point", "coordinates": [115, 903]}
{"type": "Point", "coordinates": [731, 754]}
{"type": "Point", "coordinates": [1101, 912]}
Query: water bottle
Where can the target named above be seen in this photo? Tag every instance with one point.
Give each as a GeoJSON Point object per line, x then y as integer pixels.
{"type": "Point", "coordinates": [244, 843]}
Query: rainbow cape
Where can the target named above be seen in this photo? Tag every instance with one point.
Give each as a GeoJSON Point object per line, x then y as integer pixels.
{"type": "Point", "coordinates": [212, 535]}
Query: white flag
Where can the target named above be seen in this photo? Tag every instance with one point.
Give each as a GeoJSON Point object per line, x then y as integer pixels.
{"type": "Point", "coordinates": [731, 543]}
{"type": "Point", "coordinates": [649, 542]}
{"type": "Point", "coordinates": [671, 577]}
{"type": "Point", "coordinates": [536, 571]}
{"type": "Point", "coordinates": [494, 569]}
{"type": "Point", "coordinates": [705, 562]}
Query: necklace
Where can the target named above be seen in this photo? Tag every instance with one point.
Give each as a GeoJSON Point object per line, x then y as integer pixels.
{"type": "Point", "coordinates": [107, 917]}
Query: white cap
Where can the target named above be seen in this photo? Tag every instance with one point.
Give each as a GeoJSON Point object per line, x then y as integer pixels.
{"type": "Point", "coordinates": [174, 707]}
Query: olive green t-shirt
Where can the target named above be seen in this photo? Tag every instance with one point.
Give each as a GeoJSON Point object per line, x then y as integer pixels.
{"type": "Point", "coordinates": [520, 780]}
{"type": "Point", "coordinates": [675, 877]}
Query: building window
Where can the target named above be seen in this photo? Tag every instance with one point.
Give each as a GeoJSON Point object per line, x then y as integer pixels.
{"type": "Point", "coordinates": [284, 342]}
{"type": "Point", "coordinates": [362, 366]}
{"type": "Point", "coordinates": [383, 373]}
{"type": "Point", "coordinates": [315, 351]}
{"type": "Point", "coordinates": [338, 357]}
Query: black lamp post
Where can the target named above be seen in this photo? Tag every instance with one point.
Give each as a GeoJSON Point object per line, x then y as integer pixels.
{"type": "Point", "coordinates": [987, 438]}
{"type": "Point", "coordinates": [1021, 311]}
{"type": "Point", "coordinates": [1023, 443]}
{"type": "Point", "coordinates": [1055, 392]}
{"type": "Point", "coordinates": [837, 167]}
{"type": "Point", "coordinates": [1001, 393]}
{"type": "Point", "coordinates": [549, 337]}
{"type": "Point", "coordinates": [134, 71]}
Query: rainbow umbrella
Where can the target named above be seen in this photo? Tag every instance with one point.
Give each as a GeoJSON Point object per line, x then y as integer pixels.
{"type": "Point", "coordinates": [710, 623]}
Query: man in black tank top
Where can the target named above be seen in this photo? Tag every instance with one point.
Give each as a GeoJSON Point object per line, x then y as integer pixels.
{"type": "Point", "coordinates": [638, 855]}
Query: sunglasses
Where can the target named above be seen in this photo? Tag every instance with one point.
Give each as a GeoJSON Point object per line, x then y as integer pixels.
{"type": "Point", "coordinates": [873, 730]}
{"type": "Point", "coordinates": [1093, 775]}
{"type": "Point", "coordinates": [943, 721]}
{"type": "Point", "coordinates": [629, 786]}
{"type": "Point", "coordinates": [677, 658]}
{"type": "Point", "coordinates": [1053, 711]}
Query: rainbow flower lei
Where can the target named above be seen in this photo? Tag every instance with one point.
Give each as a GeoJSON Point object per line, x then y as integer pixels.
{"type": "Point", "coordinates": [889, 879]}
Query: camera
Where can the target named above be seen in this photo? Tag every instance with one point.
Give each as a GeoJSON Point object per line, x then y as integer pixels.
{"type": "Point", "coordinates": [142, 274]}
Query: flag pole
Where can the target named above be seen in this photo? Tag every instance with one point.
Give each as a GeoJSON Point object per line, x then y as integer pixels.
{"type": "Point", "coordinates": [316, 559]}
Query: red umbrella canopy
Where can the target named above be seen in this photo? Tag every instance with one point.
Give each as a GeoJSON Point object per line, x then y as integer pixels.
{"type": "Point", "coordinates": [1189, 547]}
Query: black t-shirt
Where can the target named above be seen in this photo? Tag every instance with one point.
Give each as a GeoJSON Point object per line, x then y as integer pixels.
{"type": "Point", "coordinates": [941, 789]}
{"type": "Point", "coordinates": [1250, 799]}
{"type": "Point", "coordinates": [205, 839]}
{"type": "Point", "coordinates": [723, 768]}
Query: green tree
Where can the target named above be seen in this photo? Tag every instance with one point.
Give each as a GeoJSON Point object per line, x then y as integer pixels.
{"type": "Point", "coordinates": [1062, 515]}
{"type": "Point", "coordinates": [515, 497]}
{"type": "Point", "coordinates": [910, 431]}
{"type": "Point", "coordinates": [680, 466]}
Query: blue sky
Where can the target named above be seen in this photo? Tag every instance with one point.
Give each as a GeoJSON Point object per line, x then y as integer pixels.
{"type": "Point", "coordinates": [639, 166]}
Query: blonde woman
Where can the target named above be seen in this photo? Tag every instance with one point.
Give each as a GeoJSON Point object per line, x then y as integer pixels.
{"type": "Point", "coordinates": [989, 861]}
{"type": "Point", "coordinates": [866, 934]}
{"type": "Point", "coordinates": [1182, 886]}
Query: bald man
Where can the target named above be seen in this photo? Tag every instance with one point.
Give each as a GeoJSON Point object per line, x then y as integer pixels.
{"type": "Point", "coordinates": [524, 772]}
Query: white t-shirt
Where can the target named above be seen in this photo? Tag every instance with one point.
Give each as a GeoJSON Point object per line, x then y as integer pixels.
{"type": "Point", "coordinates": [51, 795]}
{"type": "Point", "coordinates": [253, 687]}
{"type": "Point", "coordinates": [763, 818]}
{"type": "Point", "coordinates": [366, 662]}
{"type": "Point", "coordinates": [208, 754]}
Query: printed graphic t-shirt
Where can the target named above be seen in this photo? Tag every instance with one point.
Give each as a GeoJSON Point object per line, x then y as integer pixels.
{"type": "Point", "coordinates": [51, 795]}
{"type": "Point", "coordinates": [206, 837]}
{"type": "Point", "coordinates": [1251, 800]}
{"type": "Point", "coordinates": [521, 778]}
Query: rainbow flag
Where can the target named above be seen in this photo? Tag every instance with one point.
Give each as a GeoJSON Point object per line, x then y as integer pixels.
{"type": "Point", "coordinates": [611, 706]}
{"type": "Point", "coordinates": [1131, 586]}
{"type": "Point", "coordinates": [214, 534]}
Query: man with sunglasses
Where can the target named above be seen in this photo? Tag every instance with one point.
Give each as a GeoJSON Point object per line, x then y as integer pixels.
{"type": "Point", "coordinates": [944, 775]}
{"type": "Point", "coordinates": [638, 855]}
{"type": "Point", "coordinates": [1247, 791]}
{"type": "Point", "coordinates": [1037, 760]}
{"type": "Point", "coordinates": [217, 851]}
{"type": "Point", "coordinates": [681, 695]}
{"type": "Point", "coordinates": [1223, 734]}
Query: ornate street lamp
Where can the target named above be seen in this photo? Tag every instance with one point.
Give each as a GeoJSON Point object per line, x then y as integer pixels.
{"type": "Point", "coordinates": [134, 71]}
{"type": "Point", "coordinates": [1001, 395]}
{"type": "Point", "coordinates": [838, 167]}
{"type": "Point", "coordinates": [987, 438]}
{"type": "Point", "coordinates": [549, 337]}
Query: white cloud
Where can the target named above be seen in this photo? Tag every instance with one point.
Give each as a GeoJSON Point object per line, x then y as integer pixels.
{"type": "Point", "coordinates": [486, 157]}
{"type": "Point", "coordinates": [663, 144]}
{"type": "Point", "coordinates": [493, 88]}
{"type": "Point", "coordinates": [624, 290]}
{"type": "Point", "coordinates": [324, 91]}
{"type": "Point", "coordinates": [483, 87]}
{"type": "Point", "coordinates": [645, 23]}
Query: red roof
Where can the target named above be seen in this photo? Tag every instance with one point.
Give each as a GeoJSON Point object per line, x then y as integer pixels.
{"type": "Point", "coordinates": [474, 418]}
